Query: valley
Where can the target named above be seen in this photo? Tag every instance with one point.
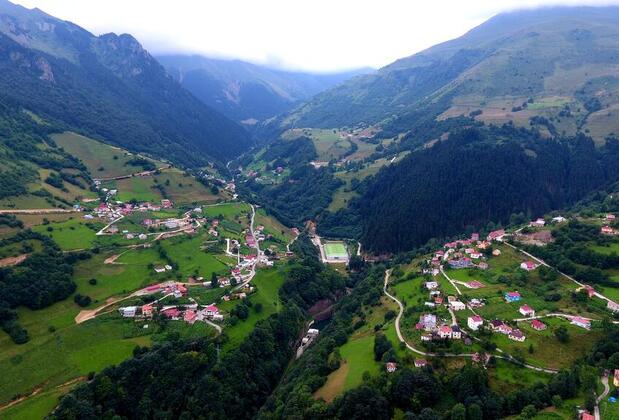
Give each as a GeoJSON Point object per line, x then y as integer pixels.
{"type": "Point", "coordinates": [191, 237]}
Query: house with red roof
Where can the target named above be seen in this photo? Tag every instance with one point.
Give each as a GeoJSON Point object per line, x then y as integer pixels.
{"type": "Point", "coordinates": [147, 310]}
{"type": "Point", "coordinates": [526, 310]}
{"type": "Point", "coordinates": [172, 313]}
{"type": "Point", "coordinates": [420, 363]}
{"type": "Point", "coordinates": [610, 217]}
{"type": "Point", "coordinates": [474, 284]}
{"type": "Point", "coordinates": [190, 316]}
{"type": "Point", "coordinates": [586, 416]}
{"type": "Point", "coordinates": [474, 322]}
{"type": "Point", "coordinates": [538, 325]}
{"type": "Point", "coordinates": [607, 230]}
{"type": "Point", "coordinates": [496, 235]}
{"type": "Point", "coordinates": [475, 236]}
{"type": "Point", "coordinates": [211, 310]}
{"type": "Point", "coordinates": [613, 306]}
{"type": "Point", "coordinates": [616, 378]}
{"type": "Point", "coordinates": [590, 291]}
{"type": "Point", "coordinates": [444, 331]}
{"type": "Point", "coordinates": [391, 367]}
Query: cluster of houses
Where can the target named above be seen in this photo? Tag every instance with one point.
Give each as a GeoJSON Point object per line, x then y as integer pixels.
{"type": "Point", "coordinates": [112, 210]}
{"type": "Point", "coordinates": [433, 330]}
{"type": "Point", "coordinates": [189, 313]}
{"type": "Point", "coordinates": [436, 299]}
{"type": "Point", "coordinates": [465, 253]}
{"type": "Point", "coordinates": [501, 327]}
{"type": "Point", "coordinates": [607, 229]}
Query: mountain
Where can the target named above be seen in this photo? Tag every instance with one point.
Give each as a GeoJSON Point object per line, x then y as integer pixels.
{"type": "Point", "coordinates": [247, 92]}
{"type": "Point", "coordinates": [552, 67]}
{"type": "Point", "coordinates": [107, 87]}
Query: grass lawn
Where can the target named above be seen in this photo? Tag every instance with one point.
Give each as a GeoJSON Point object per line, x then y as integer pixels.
{"type": "Point", "coordinates": [227, 210]}
{"type": "Point", "coordinates": [359, 355]}
{"type": "Point", "coordinates": [53, 358]}
{"type": "Point", "coordinates": [96, 155]}
{"type": "Point", "coordinates": [193, 261]}
{"type": "Point", "coordinates": [72, 193]}
{"type": "Point", "coordinates": [179, 187]}
{"type": "Point", "coordinates": [548, 351]}
{"type": "Point", "coordinates": [130, 274]}
{"type": "Point", "coordinates": [268, 283]}
{"type": "Point", "coordinates": [70, 234]}
{"type": "Point", "coordinates": [36, 407]}
{"type": "Point", "coordinates": [606, 250]}
{"type": "Point", "coordinates": [273, 226]}
{"type": "Point", "coordinates": [508, 376]}
{"type": "Point", "coordinates": [31, 220]}
{"type": "Point", "coordinates": [27, 201]}
{"type": "Point", "coordinates": [139, 188]}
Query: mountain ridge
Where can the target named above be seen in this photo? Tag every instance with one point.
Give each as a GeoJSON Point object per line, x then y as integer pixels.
{"type": "Point", "coordinates": [246, 91]}
{"type": "Point", "coordinates": [109, 87]}
{"type": "Point", "coordinates": [555, 58]}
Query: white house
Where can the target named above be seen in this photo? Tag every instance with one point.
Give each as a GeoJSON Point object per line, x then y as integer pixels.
{"type": "Point", "coordinates": [128, 311]}
{"type": "Point", "coordinates": [456, 333]}
{"type": "Point", "coordinates": [474, 322]}
{"type": "Point", "coordinates": [581, 322]}
{"type": "Point", "coordinates": [456, 305]}
{"type": "Point", "coordinates": [431, 285]}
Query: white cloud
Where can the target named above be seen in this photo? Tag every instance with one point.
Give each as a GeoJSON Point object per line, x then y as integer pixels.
{"type": "Point", "coordinates": [319, 35]}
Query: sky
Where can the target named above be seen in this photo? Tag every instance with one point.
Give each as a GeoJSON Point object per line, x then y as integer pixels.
{"type": "Point", "coordinates": [310, 35]}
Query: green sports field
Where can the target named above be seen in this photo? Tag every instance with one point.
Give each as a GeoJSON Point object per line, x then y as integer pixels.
{"type": "Point", "coordinates": [336, 250]}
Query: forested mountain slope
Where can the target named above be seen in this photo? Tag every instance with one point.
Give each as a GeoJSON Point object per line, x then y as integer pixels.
{"type": "Point", "coordinates": [479, 175]}
{"type": "Point", "coordinates": [107, 87]}
{"type": "Point", "coordinates": [248, 92]}
{"type": "Point", "coordinates": [555, 63]}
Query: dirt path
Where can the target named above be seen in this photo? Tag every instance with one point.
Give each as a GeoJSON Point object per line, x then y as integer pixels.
{"type": "Point", "coordinates": [599, 399]}
{"type": "Point", "coordinates": [88, 314]}
{"type": "Point", "coordinates": [38, 390]}
{"type": "Point", "coordinates": [9, 261]}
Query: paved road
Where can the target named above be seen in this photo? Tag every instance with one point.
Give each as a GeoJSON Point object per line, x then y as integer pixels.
{"type": "Point", "coordinates": [398, 318]}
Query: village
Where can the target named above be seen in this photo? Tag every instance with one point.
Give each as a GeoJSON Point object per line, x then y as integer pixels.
{"type": "Point", "coordinates": [142, 225]}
